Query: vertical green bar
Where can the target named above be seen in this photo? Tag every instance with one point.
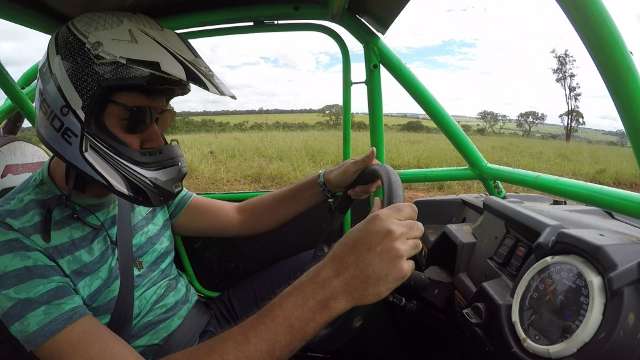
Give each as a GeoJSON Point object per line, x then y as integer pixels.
{"type": "Point", "coordinates": [374, 100]}
{"type": "Point", "coordinates": [13, 92]}
{"type": "Point", "coordinates": [346, 120]}
{"type": "Point", "coordinates": [423, 97]}
{"type": "Point", "coordinates": [602, 39]}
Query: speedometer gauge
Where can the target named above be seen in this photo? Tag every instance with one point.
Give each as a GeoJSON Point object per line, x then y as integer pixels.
{"type": "Point", "coordinates": [558, 305]}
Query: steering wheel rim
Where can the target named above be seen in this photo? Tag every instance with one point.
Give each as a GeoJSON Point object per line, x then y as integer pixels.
{"type": "Point", "coordinates": [333, 335]}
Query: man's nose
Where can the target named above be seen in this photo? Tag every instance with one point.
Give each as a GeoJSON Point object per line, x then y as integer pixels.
{"type": "Point", "coordinates": [152, 137]}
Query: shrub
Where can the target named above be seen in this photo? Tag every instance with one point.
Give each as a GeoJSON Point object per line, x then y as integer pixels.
{"type": "Point", "coordinates": [413, 126]}
{"type": "Point", "coordinates": [359, 125]}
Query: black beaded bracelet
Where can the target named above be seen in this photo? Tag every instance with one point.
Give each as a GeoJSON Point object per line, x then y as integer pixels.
{"type": "Point", "coordinates": [324, 188]}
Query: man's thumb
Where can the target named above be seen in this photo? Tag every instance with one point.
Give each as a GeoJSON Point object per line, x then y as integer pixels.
{"type": "Point", "coordinates": [376, 205]}
{"type": "Point", "coordinates": [369, 157]}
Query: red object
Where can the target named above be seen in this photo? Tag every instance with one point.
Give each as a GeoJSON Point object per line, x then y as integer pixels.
{"type": "Point", "coordinates": [18, 169]}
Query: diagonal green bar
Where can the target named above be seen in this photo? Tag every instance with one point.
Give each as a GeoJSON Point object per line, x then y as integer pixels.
{"type": "Point", "coordinates": [8, 108]}
{"type": "Point", "coordinates": [28, 77]}
{"type": "Point", "coordinates": [622, 201]}
{"type": "Point", "coordinates": [26, 80]}
{"type": "Point", "coordinates": [613, 60]}
{"type": "Point", "coordinates": [14, 93]}
{"type": "Point", "coordinates": [423, 97]}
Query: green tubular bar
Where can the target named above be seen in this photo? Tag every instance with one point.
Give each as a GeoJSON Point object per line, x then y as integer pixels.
{"type": "Point", "coordinates": [421, 95]}
{"type": "Point", "coordinates": [344, 51]}
{"type": "Point", "coordinates": [437, 174]}
{"type": "Point", "coordinates": [603, 42]}
{"type": "Point", "coordinates": [242, 14]}
{"type": "Point", "coordinates": [374, 100]}
{"type": "Point", "coordinates": [611, 57]}
{"type": "Point", "coordinates": [13, 92]}
{"type": "Point", "coordinates": [8, 108]}
{"type": "Point", "coordinates": [233, 196]}
{"type": "Point", "coordinates": [28, 77]}
{"type": "Point", "coordinates": [346, 69]}
{"type": "Point", "coordinates": [188, 270]}
{"type": "Point", "coordinates": [622, 201]}
{"type": "Point", "coordinates": [29, 18]}
{"type": "Point", "coordinates": [26, 80]}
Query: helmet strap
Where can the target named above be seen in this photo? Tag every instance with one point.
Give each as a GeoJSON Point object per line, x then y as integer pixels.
{"type": "Point", "coordinates": [75, 180]}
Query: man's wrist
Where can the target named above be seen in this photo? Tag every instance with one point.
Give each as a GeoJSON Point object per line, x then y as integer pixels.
{"type": "Point", "coordinates": [330, 283]}
{"type": "Point", "coordinates": [328, 193]}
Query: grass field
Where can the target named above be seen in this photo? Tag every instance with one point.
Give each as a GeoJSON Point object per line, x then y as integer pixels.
{"type": "Point", "coordinates": [584, 134]}
{"type": "Point", "coordinates": [271, 159]}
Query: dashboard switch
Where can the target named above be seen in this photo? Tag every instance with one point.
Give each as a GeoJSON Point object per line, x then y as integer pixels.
{"type": "Point", "coordinates": [518, 258]}
{"type": "Point", "coordinates": [503, 251]}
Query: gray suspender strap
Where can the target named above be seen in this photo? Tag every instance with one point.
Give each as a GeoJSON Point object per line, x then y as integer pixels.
{"type": "Point", "coordinates": [122, 314]}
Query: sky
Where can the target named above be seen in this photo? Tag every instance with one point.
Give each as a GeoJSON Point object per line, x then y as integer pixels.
{"type": "Point", "coordinates": [472, 55]}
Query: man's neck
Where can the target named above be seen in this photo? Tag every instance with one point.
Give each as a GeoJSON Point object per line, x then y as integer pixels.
{"type": "Point", "coordinates": [57, 174]}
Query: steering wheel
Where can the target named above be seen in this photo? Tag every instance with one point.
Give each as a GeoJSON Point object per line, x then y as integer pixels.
{"type": "Point", "coordinates": [336, 333]}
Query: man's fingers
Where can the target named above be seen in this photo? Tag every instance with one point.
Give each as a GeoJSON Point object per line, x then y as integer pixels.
{"type": "Point", "coordinates": [362, 191]}
{"type": "Point", "coordinates": [403, 211]}
{"type": "Point", "coordinates": [413, 229]}
{"type": "Point", "coordinates": [410, 247]}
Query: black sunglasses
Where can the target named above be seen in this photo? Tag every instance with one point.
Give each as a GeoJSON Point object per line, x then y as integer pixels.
{"type": "Point", "coordinates": [142, 117]}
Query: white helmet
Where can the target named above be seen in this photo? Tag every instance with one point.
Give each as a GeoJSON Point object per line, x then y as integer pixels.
{"type": "Point", "coordinates": [94, 55]}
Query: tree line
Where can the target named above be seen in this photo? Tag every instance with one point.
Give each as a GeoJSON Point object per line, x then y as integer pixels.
{"type": "Point", "coordinates": [492, 122]}
{"type": "Point", "coordinates": [572, 119]}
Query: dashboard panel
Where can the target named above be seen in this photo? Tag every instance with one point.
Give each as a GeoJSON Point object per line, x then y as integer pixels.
{"type": "Point", "coordinates": [538, 278]}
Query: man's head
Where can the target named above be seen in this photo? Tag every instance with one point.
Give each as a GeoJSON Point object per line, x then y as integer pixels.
{"type": "Point", "coordinates": [102, 100]}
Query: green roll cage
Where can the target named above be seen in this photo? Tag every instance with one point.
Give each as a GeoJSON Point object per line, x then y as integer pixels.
{"type": "Point", "coordinates": [590, 19]}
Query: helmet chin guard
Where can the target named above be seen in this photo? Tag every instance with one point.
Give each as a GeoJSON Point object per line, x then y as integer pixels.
{"type": "Point", "coordinates": [89, 58]}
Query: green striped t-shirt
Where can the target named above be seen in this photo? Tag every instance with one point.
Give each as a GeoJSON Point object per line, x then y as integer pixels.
{"type": "Point", "coordinates": [46, 286]}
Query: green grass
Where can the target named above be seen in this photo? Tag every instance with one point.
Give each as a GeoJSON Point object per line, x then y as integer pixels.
{"type": "Point", "coordinates": [253, 160]}
{"type": "Point", "coordinates": [271, 159]}
{"type": "Point", "coordinates": [583, 134]}
{"type": "Point", "coordinates": [296, 118]}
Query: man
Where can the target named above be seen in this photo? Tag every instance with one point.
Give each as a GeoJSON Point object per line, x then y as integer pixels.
{"type": "Point", "coordinates": [103, 104]}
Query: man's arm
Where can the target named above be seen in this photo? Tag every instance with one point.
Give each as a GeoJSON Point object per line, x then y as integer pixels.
{"type": "Point", "coordinates": [367, 264]}
{"type": "Point", "coordinates": [275, 332]}
{"type": "Point", "coordinates": [209, 217]}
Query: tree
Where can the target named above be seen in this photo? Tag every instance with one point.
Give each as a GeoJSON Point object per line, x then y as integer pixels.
{"type": "Point", "coordinates": [333, 114]}
{"type": "Point", "coordinates": [527, 120]}
{"type": "Point", "coordinates": [571, 120]}
{"type": "Point", "coordinates": [623, 140]}
{"type": "Point", "coordinates": [503, 120]}
{"type": "Point", "coordinates": [565, 76]}
{"type": "Point", "coordinates": [491, 119]}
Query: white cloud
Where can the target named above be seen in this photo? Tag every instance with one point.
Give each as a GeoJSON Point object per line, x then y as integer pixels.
{"type": "Point", "coordinates": [508, 70]}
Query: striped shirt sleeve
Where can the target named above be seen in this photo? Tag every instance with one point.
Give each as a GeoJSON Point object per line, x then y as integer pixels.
{"type": "Point", "coordinates": [37, 300]}
{"type": "Point", "coordinates": [179, 203]}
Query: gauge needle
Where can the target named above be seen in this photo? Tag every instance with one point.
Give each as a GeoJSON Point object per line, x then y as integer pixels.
{"type": "Point", "coordinates": [549, 291]}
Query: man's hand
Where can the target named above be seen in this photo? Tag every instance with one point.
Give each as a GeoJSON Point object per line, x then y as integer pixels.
{"type": "Point", "coordinates": [373, 258]}
{"type": "Point", "coordinates": [339, 177]}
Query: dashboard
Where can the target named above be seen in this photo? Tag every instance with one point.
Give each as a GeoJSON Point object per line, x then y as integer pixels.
{"type": "Point", "coordinates": [538, 278]}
